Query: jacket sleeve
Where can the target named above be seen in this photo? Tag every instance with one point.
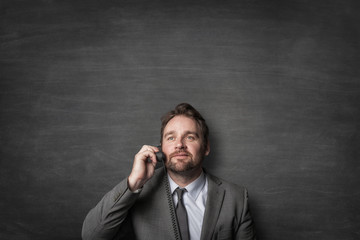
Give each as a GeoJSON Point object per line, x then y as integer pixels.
{"type": "Point", "coordinates": [246, 230]}
{"type": "Point", "coordinates": [106, 218]}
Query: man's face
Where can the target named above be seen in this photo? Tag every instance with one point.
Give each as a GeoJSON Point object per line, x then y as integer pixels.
{"type": "Point", "coordinates": [182, 144]}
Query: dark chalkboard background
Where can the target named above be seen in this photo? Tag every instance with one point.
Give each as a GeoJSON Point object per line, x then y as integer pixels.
{"type": "Point", "coordinates": [84, 83]}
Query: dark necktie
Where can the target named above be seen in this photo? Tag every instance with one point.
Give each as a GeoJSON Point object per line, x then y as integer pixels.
{"type": "Point", "coordinates": [182, 215]}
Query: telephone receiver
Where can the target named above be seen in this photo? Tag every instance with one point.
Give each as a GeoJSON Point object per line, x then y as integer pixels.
{"type": "Point", "coordinates": [160, 156]}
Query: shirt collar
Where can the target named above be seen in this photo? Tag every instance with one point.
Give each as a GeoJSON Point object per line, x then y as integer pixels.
{"type": "Point", "coordinates": [193, 188]}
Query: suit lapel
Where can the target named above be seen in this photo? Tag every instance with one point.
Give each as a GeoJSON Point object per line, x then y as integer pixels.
{"type": "Point", "coordinates": [213, 206]}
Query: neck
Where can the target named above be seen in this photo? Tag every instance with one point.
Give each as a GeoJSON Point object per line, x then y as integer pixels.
{"type": "Point", "coordinates": [185, 178]}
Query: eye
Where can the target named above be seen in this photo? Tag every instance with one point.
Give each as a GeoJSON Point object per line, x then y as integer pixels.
{"type": "Point", "coordinates": [191, 138]}
{"type": "Point", "coordinates": [170, 138]}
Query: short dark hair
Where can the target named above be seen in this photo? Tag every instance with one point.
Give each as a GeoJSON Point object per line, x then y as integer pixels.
{"type": "Point", "coordinates": [189, 111]}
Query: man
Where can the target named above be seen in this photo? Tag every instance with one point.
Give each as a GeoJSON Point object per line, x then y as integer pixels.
{"type": "Point", "coordinates": [181, 202]}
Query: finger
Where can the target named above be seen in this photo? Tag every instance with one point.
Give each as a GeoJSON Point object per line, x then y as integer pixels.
{"type": "Point", "coordinates": [151, 158]}
{"type": "Point", "coordinates": [149, 148]}
{"type": "Point", "coordinates": [146, 156]}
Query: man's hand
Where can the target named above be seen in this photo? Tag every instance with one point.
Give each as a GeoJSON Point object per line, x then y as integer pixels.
{"type": "Point", "coordinates": [142, 169]}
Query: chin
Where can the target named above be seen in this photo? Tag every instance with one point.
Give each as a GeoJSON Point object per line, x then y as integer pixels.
{"type": "Point", "coordinates": [180, 167]}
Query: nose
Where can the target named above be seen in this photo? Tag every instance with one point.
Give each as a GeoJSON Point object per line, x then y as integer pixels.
{"type": "Point", "coordinates": [180, 144]}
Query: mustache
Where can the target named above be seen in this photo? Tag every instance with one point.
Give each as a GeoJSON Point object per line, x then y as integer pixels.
{"type": "Point", "coordinates": [179, 152]}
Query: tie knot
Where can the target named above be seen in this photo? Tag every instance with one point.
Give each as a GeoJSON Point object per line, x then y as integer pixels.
{"type": "Point", "coordinates": [180, 192]}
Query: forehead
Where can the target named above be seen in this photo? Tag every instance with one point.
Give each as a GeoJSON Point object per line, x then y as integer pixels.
{"type": "Point", "coordinates": [181, 124]}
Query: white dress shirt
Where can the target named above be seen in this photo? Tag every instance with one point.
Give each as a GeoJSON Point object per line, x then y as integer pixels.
{"type": "Point", "coordinates": [194, 200]}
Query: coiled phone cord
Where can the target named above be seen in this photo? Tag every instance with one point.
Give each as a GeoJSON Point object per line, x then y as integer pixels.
{"type": "Point", "coordinates": [171, 205]}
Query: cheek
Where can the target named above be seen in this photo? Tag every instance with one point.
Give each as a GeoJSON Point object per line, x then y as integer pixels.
{"type": "Point", "coordinates": [166, 149]}
{"type": "Point", "coordinates": [195, 149]}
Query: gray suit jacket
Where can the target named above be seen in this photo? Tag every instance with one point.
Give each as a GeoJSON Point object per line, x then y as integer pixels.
{"type": "Point", "coordinates": [122, 214]}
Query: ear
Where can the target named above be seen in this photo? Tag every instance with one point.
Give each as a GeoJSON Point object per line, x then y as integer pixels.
{"type": "Point", "coordinates": [207, 150]}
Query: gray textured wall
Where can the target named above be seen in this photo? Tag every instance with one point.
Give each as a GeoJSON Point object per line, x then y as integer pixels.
{"type": "Point", "coordinates": [84, 83]}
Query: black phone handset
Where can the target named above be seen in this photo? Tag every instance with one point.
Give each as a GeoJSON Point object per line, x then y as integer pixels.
{"type": "Point", "coordinates": [160, 156]}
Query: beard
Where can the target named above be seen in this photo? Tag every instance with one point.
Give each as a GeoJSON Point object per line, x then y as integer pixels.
{"type": "Point", "coordinates": [182, 166]}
